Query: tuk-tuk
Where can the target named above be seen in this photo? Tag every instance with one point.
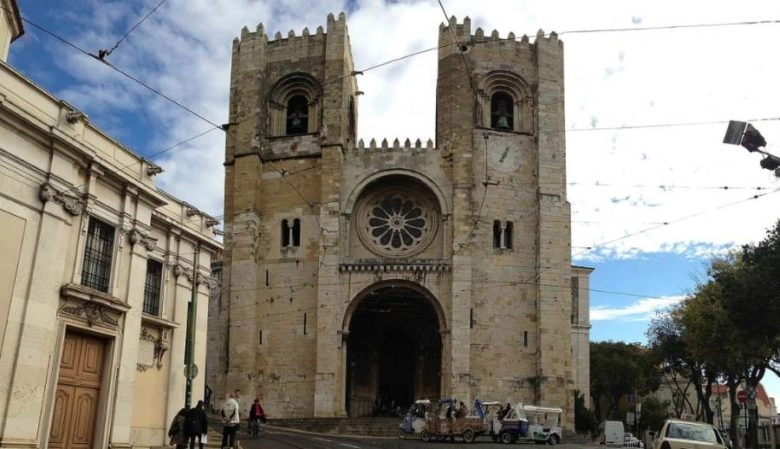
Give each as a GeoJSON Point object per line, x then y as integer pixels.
{"type": "Point", "coordinates": [444, 423]}
{"type": "Point", "coordinates": [509, 424]}
{"type": "Point", "coordinates": [528, 423]}
{"type": "Point", "coordinates": [414, 420]}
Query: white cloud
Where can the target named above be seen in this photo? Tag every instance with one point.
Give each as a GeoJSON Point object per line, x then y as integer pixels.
{"type": "Point", "coordinates": [642, 310]}
{"type": "Point", "coordinates": [624, 182]}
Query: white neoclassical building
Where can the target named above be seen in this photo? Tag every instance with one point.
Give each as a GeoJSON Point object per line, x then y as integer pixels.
{"type": "Point", "coordinates": [96, 278]}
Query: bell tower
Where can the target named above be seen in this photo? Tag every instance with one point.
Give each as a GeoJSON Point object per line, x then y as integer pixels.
{"type": "Point", "coordinates": [500, 118]}
{"type": "Point", "coordinates": [292, 115]}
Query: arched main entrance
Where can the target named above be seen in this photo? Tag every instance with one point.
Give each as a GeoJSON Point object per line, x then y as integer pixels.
{"type": "Point", "coordinates": [393, 351]}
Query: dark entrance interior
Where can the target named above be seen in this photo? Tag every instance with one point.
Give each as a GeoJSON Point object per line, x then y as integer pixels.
{"type": "Point", "coordinates": [393, 352]}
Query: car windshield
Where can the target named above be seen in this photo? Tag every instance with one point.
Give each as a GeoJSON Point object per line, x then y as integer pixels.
{"type": "Point", "coordinates": [696, 432]}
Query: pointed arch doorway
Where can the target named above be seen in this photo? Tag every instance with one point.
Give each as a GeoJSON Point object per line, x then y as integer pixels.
{"type": "Point", "coordinates": [394, 349]}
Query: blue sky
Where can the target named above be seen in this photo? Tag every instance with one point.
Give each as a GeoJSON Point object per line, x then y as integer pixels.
{"type": "Point", "coordinates": [654, 193]}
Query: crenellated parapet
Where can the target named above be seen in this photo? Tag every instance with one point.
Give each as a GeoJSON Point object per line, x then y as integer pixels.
{"type": "Point", "coordinates": [292, 41]}
{"type": "Point", "coordinates": [385, 146]}
{"type": "Point", "coordinates": [465, 38]}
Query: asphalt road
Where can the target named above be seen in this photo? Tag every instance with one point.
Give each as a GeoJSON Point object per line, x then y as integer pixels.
{"type": "Point", "coordinates": [279, 438]}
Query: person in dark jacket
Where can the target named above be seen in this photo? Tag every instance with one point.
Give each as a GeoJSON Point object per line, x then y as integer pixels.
{"type": "Point", "coordinates": [178, 429]}
{"type": "Point", "coordinates": [198, 425]}
{"type": "Point", "coordinates": [256, 415]}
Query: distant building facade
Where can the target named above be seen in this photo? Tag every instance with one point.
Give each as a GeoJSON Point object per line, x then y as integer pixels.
{"type": "Point", "coordinates": [96, 279]}
{"type": "Point", "coordinates": [359, 276]}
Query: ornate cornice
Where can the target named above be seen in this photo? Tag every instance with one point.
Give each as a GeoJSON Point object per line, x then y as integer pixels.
{"type": "Point", "coordinates": [91, 312]}
{"type": "Point", "coordinates": [72, 204]}
{"type": "Point", "coordinates": [91, 306]}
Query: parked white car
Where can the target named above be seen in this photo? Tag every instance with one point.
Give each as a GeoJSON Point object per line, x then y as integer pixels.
{"type": "Point", "coordinates": [679, 434]}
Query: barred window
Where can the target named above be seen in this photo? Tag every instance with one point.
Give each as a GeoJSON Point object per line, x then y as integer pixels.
{"type": "Point", "coordinates": [152, 287]}
{"type": "Point", "coordinates": [98, 252]}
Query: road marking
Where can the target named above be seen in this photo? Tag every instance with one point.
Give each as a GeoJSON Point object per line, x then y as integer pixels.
{"type": "Point", "coordinates": [349, 445]}
{"type": "Point", "coordinates": [321, 439]}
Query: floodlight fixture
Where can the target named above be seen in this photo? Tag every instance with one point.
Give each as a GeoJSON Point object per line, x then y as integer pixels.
{"type": "Point", "coordinates": [743, 133]}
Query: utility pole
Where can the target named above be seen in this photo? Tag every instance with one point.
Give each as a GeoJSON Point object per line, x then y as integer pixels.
{"type": "Point", "coordinates": [191, 370]}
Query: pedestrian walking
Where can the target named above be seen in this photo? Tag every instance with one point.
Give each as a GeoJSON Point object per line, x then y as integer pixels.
{"type": "Point", "coordinates": [178, 430]}
{"type": "Point", "coordinates": [198, 425]}
{"type": "Point", "coordinates": [256, 416]}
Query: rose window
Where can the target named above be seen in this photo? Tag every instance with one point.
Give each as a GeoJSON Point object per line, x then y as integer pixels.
{"type": "Point", "coordinates": [397, 223]}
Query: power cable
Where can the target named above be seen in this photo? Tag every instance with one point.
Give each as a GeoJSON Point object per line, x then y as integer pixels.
{"type": "Point", "coordinates": [103, 53]}
{"type": "Point", "coordinates": [123, 73]}
{"type": "Point", "coordinates": [672, 27]}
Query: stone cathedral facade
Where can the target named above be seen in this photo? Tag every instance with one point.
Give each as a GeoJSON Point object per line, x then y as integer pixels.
{"type": "Point", "coordinates": [360, 275]}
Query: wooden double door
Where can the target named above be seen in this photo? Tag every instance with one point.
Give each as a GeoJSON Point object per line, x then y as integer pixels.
{"type": "Point", "coordinates": [78, 392]}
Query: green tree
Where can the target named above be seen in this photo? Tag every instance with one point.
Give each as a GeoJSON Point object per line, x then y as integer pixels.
{"type": "Point", "coordinates": [584, 419]}
{"type": "Point", "coordinates": [654, 413]}
{"type": "Point", "coordinates": [618, 369]}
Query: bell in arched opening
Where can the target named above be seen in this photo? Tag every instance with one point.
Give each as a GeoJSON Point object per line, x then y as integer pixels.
{"type": "Point", "coordinates": [297, 117]}
{"type": "Point", "coordinates": [501, 111]}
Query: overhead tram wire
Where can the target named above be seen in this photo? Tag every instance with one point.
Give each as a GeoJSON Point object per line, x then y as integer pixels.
{"type": "Point", "coordinates": [123, 73]}
{"type": "Point", "coordinates": [103, 53]}
{"type": "Point", "coordinates": [648, 229]}
{"type": "Point", "coordinates": [225, 128]}
{"type": "Point", "coordinates": [416, 53]}
{"type": "Point", "coordinates": [673, 27]}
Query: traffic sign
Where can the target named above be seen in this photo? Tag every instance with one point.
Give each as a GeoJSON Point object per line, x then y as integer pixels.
{"type": "Point", "coordinates": [742, 396]}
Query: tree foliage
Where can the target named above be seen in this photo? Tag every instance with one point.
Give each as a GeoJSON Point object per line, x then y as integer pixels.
{"type": "Point", "coordinates": [724, 332]}
{"type": "Point", "coordinates": [584, 419]}
{"type": "Point", "coordinates": [654, 412]}
{"type": "Point", "coordinates": [618, 369]}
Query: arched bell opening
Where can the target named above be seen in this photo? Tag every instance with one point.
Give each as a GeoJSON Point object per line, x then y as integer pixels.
{"type": "Point", "coordinates": [393, 352]}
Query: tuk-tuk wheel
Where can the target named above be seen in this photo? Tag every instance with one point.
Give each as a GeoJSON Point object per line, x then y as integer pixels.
{"type": "Point", "coordinates": [402, 434]}
{"type": "Point", "coordinates": [506, 437]}
{"type": "Point", "coordinates": [554, 439]}
{"type": "Point", "coordinates": [425, 436]}
{"type": "Point", "coordinates": [468, 436]}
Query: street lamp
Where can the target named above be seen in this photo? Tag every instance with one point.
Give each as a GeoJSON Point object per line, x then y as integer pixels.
{"type": "Point", "coordinates": [744, 134]}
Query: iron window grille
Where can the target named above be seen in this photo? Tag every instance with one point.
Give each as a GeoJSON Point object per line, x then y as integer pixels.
{"type": "Point", "coordinates": [98, 252]}
{"type": "Point", "coordinates": [152, 287]}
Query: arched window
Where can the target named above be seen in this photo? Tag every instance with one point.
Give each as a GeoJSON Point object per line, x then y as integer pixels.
{"type": "Point", "coordinates": [502, 234]}
{"type": "Point", "coordinates": [294, 106]}
{"type": "Point", "coordinates": [296, 233]}
{"type": "Point", "coordinates": [496, 234]}
{"type": "Point", "coordinates": [502, 111]}
{"type": "Point", "coordinates": [291, 233]}
{"type": "Point", "coordinates": [297, 115]}
{"type": "Point", "coordinates": [285, 234]}
{"type": "Point", "coordinates": [505, 103]}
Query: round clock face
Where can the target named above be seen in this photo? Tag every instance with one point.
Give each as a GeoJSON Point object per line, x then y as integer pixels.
{"type": "Point", "coordinates": [503, 155]}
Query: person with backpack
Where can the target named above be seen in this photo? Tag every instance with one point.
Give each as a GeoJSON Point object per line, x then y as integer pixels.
{"type": "Point", "coordinates": [197, 425]}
